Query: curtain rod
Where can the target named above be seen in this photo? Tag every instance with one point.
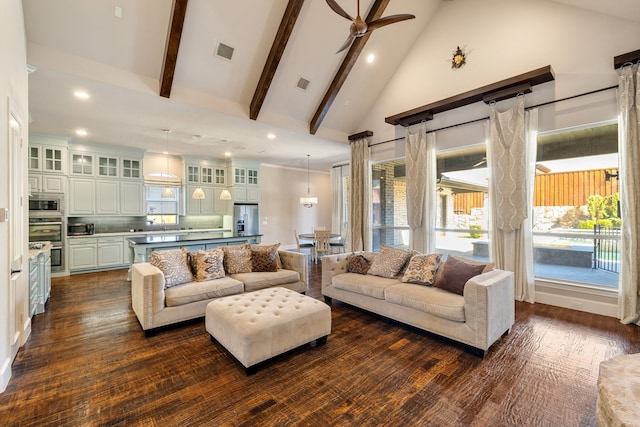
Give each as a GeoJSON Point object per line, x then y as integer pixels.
{"type": "Point", "coordinates": [487, 118]}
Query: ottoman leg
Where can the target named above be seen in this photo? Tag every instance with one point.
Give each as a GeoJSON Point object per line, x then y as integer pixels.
{"type": "Point", "coordinates": [251, 370]}
{"type": "Point", "coordinates": [322, 340]}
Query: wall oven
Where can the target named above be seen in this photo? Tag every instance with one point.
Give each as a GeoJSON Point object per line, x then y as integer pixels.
{"type": "Point", "coordinates": [46, 205]}
{"type": "Point", "coordinates": [50, 229]}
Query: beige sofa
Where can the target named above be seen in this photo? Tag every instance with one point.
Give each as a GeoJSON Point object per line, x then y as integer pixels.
{"type": "Point", "coordinates": [478, 318]}
{"type": "Point", "coordinates": [156, 306]}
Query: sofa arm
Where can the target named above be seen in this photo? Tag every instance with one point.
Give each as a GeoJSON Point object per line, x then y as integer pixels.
{"type": "Point", "coordinates": [296, 261]}
{"type": "Point", "coordinates": [147, 292]}
{"type": "Point", "coordinates": [332, 265]}
{"type": "Point", "coordinates": [490, 305]}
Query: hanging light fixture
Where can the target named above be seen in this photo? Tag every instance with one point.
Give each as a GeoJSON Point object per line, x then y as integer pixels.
{"type": "Point", "coordinates": [198, 193]}
{"type": "Point", "coordinates": [167, 192]}
{"type": "Point", "coordinates": [308, 201]}
{"type": "Point", "coordinates": [225, 195]}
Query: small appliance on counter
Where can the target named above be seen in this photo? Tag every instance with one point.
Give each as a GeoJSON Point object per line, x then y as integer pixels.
{"type": "Point", "coordinates": [80, 229]}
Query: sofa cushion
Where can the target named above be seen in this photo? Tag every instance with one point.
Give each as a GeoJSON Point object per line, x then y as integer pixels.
{"type": "Point", "coordinates": [358, 263]}
{"type": "Point", "coordinates": [174, 266]}
{"type": "Point", "coordinates": [237, 258]}
{"type": "Point", "coordinates": [455, 274]}
{"type": "Point", "coordinates": [422, 269]}
{"type": "Point", "coordinates": [198, 291]}
{"type": "Point", "coordinates": [427, 299]}
{"type": "Point", "coordinates": [209, 264]}
{"type": "Point", "coordinates": [269, 248]}
{"type": "Point", "coordinates": [389, 262]}
{"type": "Point", "coordinates": [372, 286]}
{"type": "Point", "coordinates": [254, 281]}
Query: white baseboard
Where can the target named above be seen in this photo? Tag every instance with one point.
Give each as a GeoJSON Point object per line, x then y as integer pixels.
{"type": "Point", "coordinates": [5, 374]}
{"type": "Point", "coordinates": [590, 300]}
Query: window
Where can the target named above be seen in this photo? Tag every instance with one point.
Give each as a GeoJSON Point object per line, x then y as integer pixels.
{"type": "Point", "coordinates": [576, 225]}
{"type": "Point", "coordinates": [161, 210]}
{"type": "Point", "coordinates": [389, 204]}
{"type": "Point", "coordinates": [462, 204]}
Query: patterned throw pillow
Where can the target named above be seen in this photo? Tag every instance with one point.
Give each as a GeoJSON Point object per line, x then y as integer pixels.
{"type": "Point", "coordinates": [455, 274]}
{"type": "Point", "coordinates": [422, 269]}
{"type": "Point", "coordinates": [264, 260]}
{"type": "Point", "coordinates": [269, 248]}
{"type": "Point", "coordinates": [358, 264]}
{"type": "Point", "coordinates": [389, 262]}
{"type": "Point", "coordinates": [173, 264]}
{"type": "Point", "coordinates": [237, 258]}
{"type": "Point", "coordinates": [209, 264]}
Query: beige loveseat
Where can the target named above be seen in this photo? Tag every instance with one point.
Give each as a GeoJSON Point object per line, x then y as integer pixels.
{"type": "Point", "coordinates": [156, 306]}
{"type": "Point", "coordinates": [478, 318]}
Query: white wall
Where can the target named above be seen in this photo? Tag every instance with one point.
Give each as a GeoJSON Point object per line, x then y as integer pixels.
{"type": "Point", "coordinates": [280, 191]}
{"type": "Point", "coordinates": [505, 38]}
{"type": "Point", "coordinates": [13, 88]}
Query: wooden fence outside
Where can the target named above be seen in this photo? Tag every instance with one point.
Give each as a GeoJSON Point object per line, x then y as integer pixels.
{"type": "Point", "coordinates": [553, 189]}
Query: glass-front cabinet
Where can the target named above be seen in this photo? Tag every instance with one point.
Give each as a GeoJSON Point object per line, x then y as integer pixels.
{"type": "Point", "coordinates": [239, 176]}
{"type": "Point", "coordinates": [206, 174]}
{"type": "Point", "coordinates": [82, 164]}
{"type": "Point", "coordinates": [219, 176]}
{"type": "Point", "coordinates": [131, 168]}
{"type": "Point", "coordinates": [107, 166]}
{"type": "Point", "coordinates": [47, 159]}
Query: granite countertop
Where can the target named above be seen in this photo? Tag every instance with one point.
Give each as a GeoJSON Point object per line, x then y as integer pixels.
{"type": "Point", "coordinates": [167, 238]}
{"type": "Point", "coordinates": [155, 232]}
{"type": "Point", "coordinates": [35, 252]}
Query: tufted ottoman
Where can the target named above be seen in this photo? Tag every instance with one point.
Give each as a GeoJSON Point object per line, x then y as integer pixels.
{"type": "Point", "coordinates": [619, 391]}
{"type": "Point", "coordinates": [257, 326]}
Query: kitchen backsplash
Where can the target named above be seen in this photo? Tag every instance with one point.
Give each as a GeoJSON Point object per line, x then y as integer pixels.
{"type": "Point", "coordinates": [118, 224]}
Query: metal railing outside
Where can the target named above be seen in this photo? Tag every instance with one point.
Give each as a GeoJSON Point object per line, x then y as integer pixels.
{"type": "Point", "coordinates": [606, 248]}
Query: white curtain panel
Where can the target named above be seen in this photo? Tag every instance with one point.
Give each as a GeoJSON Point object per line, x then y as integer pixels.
{"type": "Point", "coordinates": [629, 154]}
{"type": "Point", "coordinates": [429, 219]}
{"type": "Point", "coordinates": [511, 150]}
{"type": "Point", "coordinates": [336, 200]}
{"type": "Point", "coordinates": [416, 182]}
{"type": "Point", "coordinates": [360, 197]}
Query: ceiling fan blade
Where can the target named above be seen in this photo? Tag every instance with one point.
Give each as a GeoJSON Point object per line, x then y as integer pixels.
{"type": "Point", "coordinates": [337, 9]}
{"type": "Point", "coordinates": [347, 43]}
{"type": "Point", "coordinates": [388, 20]}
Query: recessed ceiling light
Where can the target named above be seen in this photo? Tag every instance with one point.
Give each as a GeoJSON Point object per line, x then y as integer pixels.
{"type": "Point", "coordinates": [81, 94]}
{"type": "Point", "coordinates": [81, 132]}
{"type": "Point", "coordinates": [271, 136]}
{"type": "Point", "coordinates": [228, 154]}
{"type": "Point", "coordinates": [371, 58]}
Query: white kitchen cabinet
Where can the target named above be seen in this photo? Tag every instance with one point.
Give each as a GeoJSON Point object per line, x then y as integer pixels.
{"type": "Point", "coordinates": [253, 194]}
{"type": "Point", "coordinates": [223, 207]}
{"type": "Point", "coordinates": [219, 176]}
{"type": "Point", "coordinates": [252, 176]}
{"type": "Point", "coordinates": [82, 163]}
{"type": "Point", "coordinates": [107, 197]}
{"type": "Point", "coordinates": [131, 198]}
{"type": "Point", "coordinates": [193, 174]}
{"type": "Point", "coordinates": [107, 166]}
{"type": "Point", "coordinates": [43, 158]}
{"type": "Point", "coordinates": [47, 183]}
{"type": "Point", "coordinates": [110, 251]}
{"type": "Point", "coordinates": [81, 196]}
{"type": "Point", "coordinates": [200, 206]}
{"type": "Point", "coordinates": [34, 281]}
{"type": "Point", "coordinates": [131, 168]}
{"type": "Point", "coordinates": [83, 253]}
{"type": "Point", "coordinates": [239, 176]}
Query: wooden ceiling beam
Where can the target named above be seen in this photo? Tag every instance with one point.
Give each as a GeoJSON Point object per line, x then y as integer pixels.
{"type": "Point", "coordinates": [345, 68]}
{"type": "Point", "coordinates": [178, 12]}
{"type": "Point", "coordinates": [275, 54]}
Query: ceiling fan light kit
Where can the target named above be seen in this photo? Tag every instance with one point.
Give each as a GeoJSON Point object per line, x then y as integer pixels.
{"type": "Point", "coordinates": [360, 27]}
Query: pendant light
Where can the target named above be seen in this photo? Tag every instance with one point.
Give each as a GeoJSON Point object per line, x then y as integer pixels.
{"type": "Point", "coordinates": [226, 195]}
{"type": "Point", "coordinates": [167, 192]}
{"type": "Point", "coordinates": [198, 193]}
{"type": "Point", "coordinates": [308, 201]}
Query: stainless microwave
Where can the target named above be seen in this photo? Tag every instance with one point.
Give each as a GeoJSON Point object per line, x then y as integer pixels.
{"type": "Point", "coordinates": [46, 205]}
{"type": "Point", "coordinates": [80, 229]}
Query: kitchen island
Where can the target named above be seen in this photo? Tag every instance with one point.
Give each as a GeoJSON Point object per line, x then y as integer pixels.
{"type": "Point", "coordinates": [141, 247]}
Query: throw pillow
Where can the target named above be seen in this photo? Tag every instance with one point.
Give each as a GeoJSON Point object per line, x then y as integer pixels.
{"type": "Point", "coordinates": [358, 264]}
{"type": "Point", "coordinates": [455, 274]}
{"type": "Point", "coordinates": [264, 260]}
{"type": "Point", "coordinates": [389, 262]}
{"type": "Point", "coordinates": [174, 267]}
{"type": "Point", "coordinates": [488, 266]}
{"type": "Point", "coordinates": [209, 264]}
{"type": "Point", "coordinates": [269, 248]}
{"type": "Point", "coordinates": [237, 258]}
{"type": "Point", "coordinates": [422, 269]}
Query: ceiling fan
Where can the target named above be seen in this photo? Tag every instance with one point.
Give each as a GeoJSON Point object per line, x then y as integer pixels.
{"type": "Point", "coordinates": [359, 27]}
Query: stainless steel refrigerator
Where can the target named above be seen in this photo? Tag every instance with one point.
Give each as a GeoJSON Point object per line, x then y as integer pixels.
{"type": "Point", "coordinates": [246, 219]}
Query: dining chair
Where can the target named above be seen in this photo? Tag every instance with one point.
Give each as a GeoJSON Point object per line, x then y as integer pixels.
{"type": "Point", "coordinates": [301, 246]}
{"type": "Point", "coordinates": [322, 243]}
{"type": "Point", "coordinates": [340, 245]}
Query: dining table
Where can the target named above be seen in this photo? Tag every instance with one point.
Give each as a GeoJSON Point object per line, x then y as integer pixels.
{"type": "Point", "coordinates": [311, 236]}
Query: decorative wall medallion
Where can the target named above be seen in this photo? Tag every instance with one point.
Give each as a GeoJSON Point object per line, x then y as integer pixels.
{"type": "Point", "coordinates": [459, 58]}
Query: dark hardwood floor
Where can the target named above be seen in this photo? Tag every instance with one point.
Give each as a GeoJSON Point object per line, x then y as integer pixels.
{"type": "Point", "coordinates": [88, 363]}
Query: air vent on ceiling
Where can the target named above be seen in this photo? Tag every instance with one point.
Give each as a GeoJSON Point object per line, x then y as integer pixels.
{"type": "Point", "coordinates": [224, 51]}
{"type": "Point", "coordinates": [303, 83]}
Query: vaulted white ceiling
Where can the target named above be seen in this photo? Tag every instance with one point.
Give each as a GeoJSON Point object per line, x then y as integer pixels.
{"type": "Point", "coordinates": [79, 44]}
